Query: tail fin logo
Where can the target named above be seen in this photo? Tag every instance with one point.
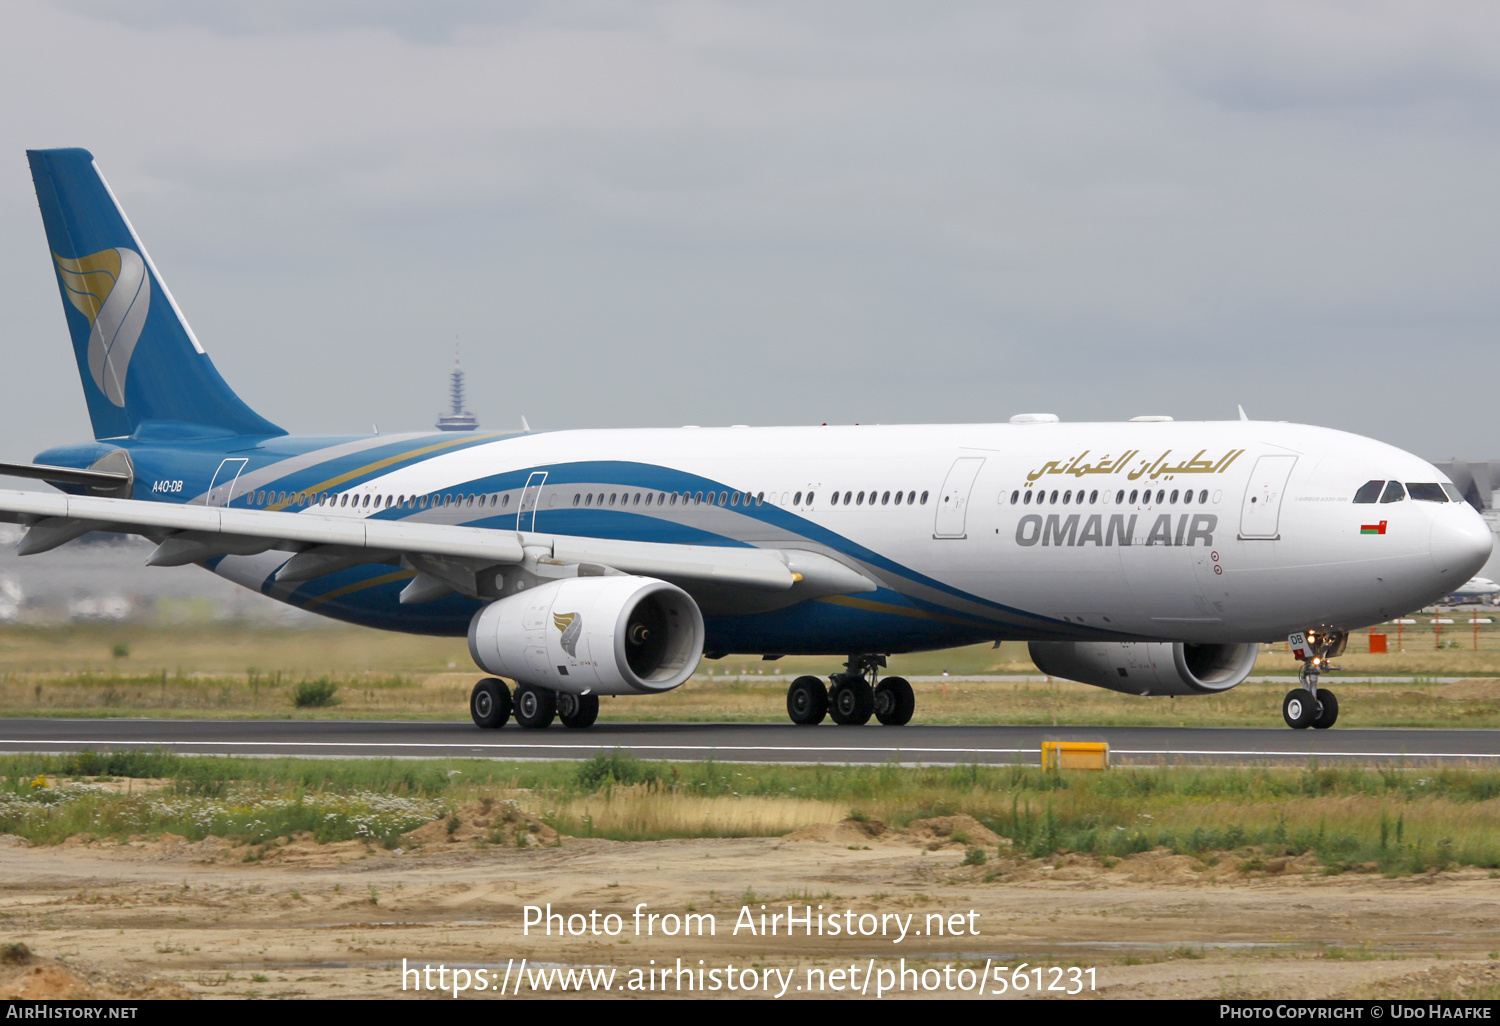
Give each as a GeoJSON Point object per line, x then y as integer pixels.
{"type": "Point", "coordinates": [110, 288]}
{"type": "Point", "coordinates": [571, 625]}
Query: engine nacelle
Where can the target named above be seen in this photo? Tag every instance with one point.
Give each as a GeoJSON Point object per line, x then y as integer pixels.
{"type": "Point", "coordinates": [613, 635]}
{"type": "Point", "coordinates": [1147, 667]}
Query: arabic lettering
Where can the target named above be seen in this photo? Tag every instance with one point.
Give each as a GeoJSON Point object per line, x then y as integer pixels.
{"type": "Point", "coordinates": [1077, 467]}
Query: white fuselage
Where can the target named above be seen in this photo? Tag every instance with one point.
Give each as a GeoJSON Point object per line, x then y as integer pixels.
{"type": "Point", "coordinates": [1047, 530]}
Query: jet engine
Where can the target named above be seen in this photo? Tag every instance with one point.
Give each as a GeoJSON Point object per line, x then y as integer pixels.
{"type": "Point", "coordinates": [1147, 667]}
{"type": "Point", "coordinates": [611, 635]}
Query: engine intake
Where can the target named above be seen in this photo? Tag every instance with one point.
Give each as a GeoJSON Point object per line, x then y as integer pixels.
{"type": "Point", "coordinates": [614, 635]}
{"type": "Point", "coordinates": [1147, 667]}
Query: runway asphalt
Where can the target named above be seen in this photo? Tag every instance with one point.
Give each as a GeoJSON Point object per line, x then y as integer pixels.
{"type": "Point", "coordinates": [747, 742]}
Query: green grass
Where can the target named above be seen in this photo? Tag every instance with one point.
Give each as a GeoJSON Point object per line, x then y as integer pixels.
{"type": "Point", "coordinates": [1392, 820]}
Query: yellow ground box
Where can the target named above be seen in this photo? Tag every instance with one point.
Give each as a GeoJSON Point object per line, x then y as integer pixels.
{"type": "Point", "coordinates": [1082, 755]}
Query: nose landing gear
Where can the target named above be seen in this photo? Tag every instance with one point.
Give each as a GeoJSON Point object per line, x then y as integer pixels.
{"type": "Point", "coordinates": [854, 697]}
{"type": "Point", "coordinates": [1309, 705]}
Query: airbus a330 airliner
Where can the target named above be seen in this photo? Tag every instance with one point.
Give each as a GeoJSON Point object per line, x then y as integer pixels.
{"type": "Point", "coordinates": [1149, 557]}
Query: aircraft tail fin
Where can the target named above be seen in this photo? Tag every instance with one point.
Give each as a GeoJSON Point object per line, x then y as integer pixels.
{"type": "Point", "coordinates": [143, 371]}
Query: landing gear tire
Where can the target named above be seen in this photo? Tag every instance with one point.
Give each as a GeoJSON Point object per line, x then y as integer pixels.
{"type": "Point", "coordinates": [1328, 710]}
{"type": "Point", "coordinates": [807, 701]}
{"type": "Point", "coordinates": [894, 702]}
{"type": "Point", "coordinates": [851, 703]}
{"type": "Point", "coordinates": [577, 711]}
{"type": "Point", "coordinates": [1299, 708]}
{"type": "Point", "coordinates": [489, 704]}
{"type": "Point", "coordinates": [535, 707]}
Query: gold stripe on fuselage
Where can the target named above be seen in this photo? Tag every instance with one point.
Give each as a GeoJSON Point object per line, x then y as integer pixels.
{"type": "Point", "coordinates": [334, 482]}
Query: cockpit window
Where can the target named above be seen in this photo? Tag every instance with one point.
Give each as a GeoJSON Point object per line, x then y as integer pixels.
{"type": "Point", "coordinates": [1453, 492]}
{"type": "Point", "coordinates": [1369, 491]}
{"type": "Point", "coordinates": [1393, 492]}
{"type": "Point", "coordinates": [1426, 492]}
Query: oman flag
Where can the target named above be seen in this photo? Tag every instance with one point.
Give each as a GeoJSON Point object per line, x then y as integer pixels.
{"type": "Point", "coordinates": [1373, 528]}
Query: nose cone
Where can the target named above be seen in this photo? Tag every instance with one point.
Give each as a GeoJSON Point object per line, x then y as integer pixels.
{"type": "Point", "coordinates": [1460, 544]}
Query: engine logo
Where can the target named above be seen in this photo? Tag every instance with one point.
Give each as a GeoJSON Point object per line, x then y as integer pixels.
{"type": "Point", "coordinates": [571, 625]}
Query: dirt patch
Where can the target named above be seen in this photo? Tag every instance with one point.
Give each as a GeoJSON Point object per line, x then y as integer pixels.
{"type": "Point", "coordinates": [495, 822]}
{"type": "Point", "coordinates": [300, 919]}
{"type": "Point", "coordinates": [961, 829]}
{"type": "Point", "coordinates": [849, 832]}
{"type": "Point", "coordinates": [34, 979]}
{"type": "Point", "coordinates": [1471, 689]}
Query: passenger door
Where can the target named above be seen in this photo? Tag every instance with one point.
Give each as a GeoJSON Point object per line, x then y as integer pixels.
{"type": "Point", "coordinates": [1260, 513]}
{"type": "Point", "coordinates": [953, 500]}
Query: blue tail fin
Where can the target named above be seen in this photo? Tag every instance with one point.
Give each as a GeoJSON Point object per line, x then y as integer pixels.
{"type": "Point", "coordinates": [143, 371]}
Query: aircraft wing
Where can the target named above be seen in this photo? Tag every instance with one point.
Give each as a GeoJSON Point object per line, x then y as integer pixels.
{"type": "Point", "coordinates": [452, 557]}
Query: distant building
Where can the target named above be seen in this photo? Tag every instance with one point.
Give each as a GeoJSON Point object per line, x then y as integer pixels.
{"type": "Point", "coordinates": [459, 419]}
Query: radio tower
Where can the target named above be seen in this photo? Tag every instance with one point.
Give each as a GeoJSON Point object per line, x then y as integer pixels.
{"type": "Point", "coordinates": [459, 419]}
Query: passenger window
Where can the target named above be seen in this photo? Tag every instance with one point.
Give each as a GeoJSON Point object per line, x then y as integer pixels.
{"type": "Point", "coordinates": [1093, 496]}
{"type": "Point", "coordinates": [734, 498]}
{"type": "Point", "coordinates": [1203, 496]}
{"type": "Point", "coordinates": [1426, 492]}
{"type": "Point", "coordinates": [1133, 494]}
{"type": "Point", "coordinates": [1393, 492]}
{"type": "Point", "coordinates": [1026, 501]}
{"type": "Point", "coordinates": [1067, 497]}
{"type": "Point", "coordinates": [1120, 497]}
{"type": "Point", "coordinates": [797, 499]}
{"type": "Point", "coordinates": [809, 498]}
{"type": "Point", "coordinates": [588, 500]}
{"type": "Point", "coordinates": [911, 498]}
{"type": "Point", "coordinates": [1053, 499]}
{"type": "Point", "coordinates": [723, 498]}
{"type": "Point", "coordinates": [1161, 493]}
{"type": "Point", "coordinates": [848, 497]}
{"type": "Point", "coordinates": [1174, 496]}
{"type": "Point", "coordinates": [924, 498]}
{"type": "Point", "coordinates": [697, 498]}
{"type": "Point", "coordinates": [859, 500]}
{"type": "Point", "coordinates": [1369, 491]}
{"type": "Point", "coordinates": [760, 497]}
{"type": "Point", "coordinates": [885, 499]}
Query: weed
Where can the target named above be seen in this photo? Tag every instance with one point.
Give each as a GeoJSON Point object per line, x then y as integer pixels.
{"type": "Point", "coordinates": [615, 767]}
{"type": "Point", "coordinates": [975, 856]}
{"type": "Point", "coordinates": [315, 694]}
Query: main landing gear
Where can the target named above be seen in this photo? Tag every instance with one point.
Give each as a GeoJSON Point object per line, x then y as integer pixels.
{"type": "Point", "coordinates": [491, 705]}
{"type": "Point", "coordinates": [1310, 705]}
{"type": "Point", "coordinates": [854, 697]}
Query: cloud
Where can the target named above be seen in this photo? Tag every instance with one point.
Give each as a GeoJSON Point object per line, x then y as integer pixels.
{"type": "Point", "coordinates": [784, 212]}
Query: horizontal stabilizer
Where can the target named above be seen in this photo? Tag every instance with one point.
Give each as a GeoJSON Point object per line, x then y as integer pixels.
{"type": "Point", "coordinates": [98, 480]}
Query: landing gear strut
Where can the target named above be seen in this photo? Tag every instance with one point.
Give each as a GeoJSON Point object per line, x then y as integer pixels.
{"type": "Point", "coordinates": [1310, 705]}
{"type": "Point", "coordinates": [854, 697]}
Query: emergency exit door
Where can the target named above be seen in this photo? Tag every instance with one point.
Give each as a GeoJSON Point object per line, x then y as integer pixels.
{"type": "Point", "coordinates": [953, 500]}
{"type": "Point", "coordinates": [1260, 514]}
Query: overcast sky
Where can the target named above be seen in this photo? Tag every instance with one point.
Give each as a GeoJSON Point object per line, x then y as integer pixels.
{"type": "Point", "coordinates": [668, 213]}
